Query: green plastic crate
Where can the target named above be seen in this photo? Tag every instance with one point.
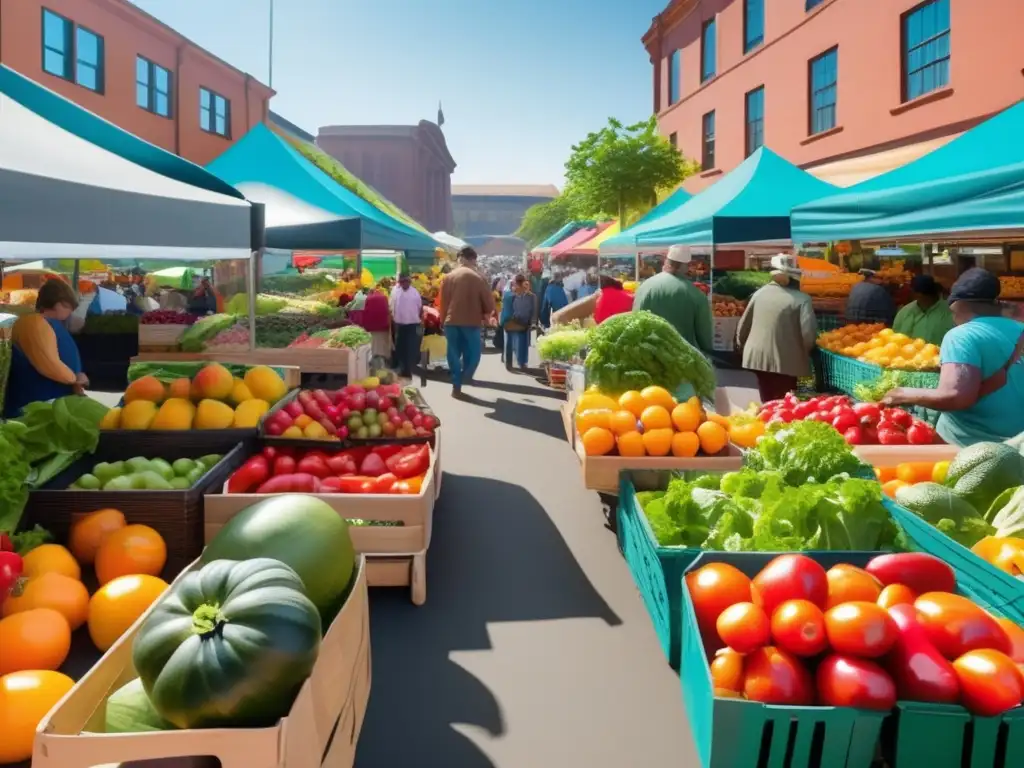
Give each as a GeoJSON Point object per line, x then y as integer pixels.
{"type": "Point", "coordinates": [943, 735]}
{"type": "Point", "coordinates": [842, 374]}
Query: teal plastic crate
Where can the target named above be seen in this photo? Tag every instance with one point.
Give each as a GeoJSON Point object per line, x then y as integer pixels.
{"type": "Point", "coordinates": [842, 374]}
{"type": "Point", "coordinates": [943, 735]}
{"type": "Point", "coordinates": [978, 579]}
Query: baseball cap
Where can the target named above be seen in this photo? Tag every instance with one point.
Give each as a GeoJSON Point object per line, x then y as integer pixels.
{"type": "Point", "coordinates": [976, 284]}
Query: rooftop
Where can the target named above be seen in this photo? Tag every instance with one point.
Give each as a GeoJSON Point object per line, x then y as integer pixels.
{"type": "Point", "coordinates": [505, 190]}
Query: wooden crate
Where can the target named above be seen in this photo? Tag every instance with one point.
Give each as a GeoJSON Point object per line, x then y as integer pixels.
{"type": "Point", "coordinates": [160, 335]}
{"type": "Point", "coordinates": [396, 555]}
{"type": "Point", "coordinates": [353, 362]}
{"type": "Point", "coordinates": [320, 731]}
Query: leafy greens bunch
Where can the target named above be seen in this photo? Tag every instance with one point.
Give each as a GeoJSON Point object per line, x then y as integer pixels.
{"type": "Point", "coordinates": [562, 346]}
{"type": "Point", "coordinates": [803, 452]}
{"type": "Point", "coordinates": [639, 349]}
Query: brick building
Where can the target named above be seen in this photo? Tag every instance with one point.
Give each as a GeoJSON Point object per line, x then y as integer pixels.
{"type": "Point", "coordinates": [126, 66]}
{"type": "Point", "coordinates": [410, 165]}
{"type": "Point", "coordinates": [845, 88]}
{"type": "Point", "coordinates": [495, 209]}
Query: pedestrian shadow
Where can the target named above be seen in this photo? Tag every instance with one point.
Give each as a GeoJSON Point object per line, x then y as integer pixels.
{"type": "Point", "coordinates": [521, 389]}
{"type": "Point", "coordinates": [495, 556]}
{"type": "Point", "coordinates": [544, 421]}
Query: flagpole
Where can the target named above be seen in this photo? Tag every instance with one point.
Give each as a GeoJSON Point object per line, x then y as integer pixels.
{"type": "Point", "coordinates": [270, 53]}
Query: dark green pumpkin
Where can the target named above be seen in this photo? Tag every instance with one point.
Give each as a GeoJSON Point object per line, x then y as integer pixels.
{"type": "Point", "coordinates": [229, 645]}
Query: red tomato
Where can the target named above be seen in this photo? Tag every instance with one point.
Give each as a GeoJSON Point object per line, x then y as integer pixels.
{"type": "Point", "coordinates": [1016, 635]}
{"type": "Point", "coordinates": [896, 594]}
{"type": "Point", "coordinates": [743, 627]}
{"type": "Point", "coordinates": [776, 677]}
{"type": "Point", "coordinates": [871, 411]}
{"type": "Point", "coordinates": [899, 417]}
{"type": "Point", "coordinates": [920, 671]}
{"type": "Point", "coordinates": [854, 436]}
{"type": "Point", "coordinates": [860, 629]}
{"type": "Point", "coordinates": [766, 415]}
{"type": "Point", "coordinates": [920, 434]}
{"type": "Point", "coordinates": [798, 626]}
{"type": "Point", "coordinates": [955, 625]}
{"type": "Point", "coordinates": [789, 577]}
{"type": "Point", "coordinates": [990, 683]}
{"type": "Point", "coordinates": [727, 670]}
{"type": "Point", "coordinates": [714, 588]}
{"type": "Point", "coordinates": [783, 415]}
{"type": "Point", "coordinates": [846, 419]}
{"type": "Point", "coordinates": [846, 681]}
{"type": "Point", "coordinates": [803, 410]}
{"type": "Point", "coordinates": [848, 584]}
{"type": "Point", "coordinates": [917, 570]}
{"type": "Point", "coordinates": [891, 436]}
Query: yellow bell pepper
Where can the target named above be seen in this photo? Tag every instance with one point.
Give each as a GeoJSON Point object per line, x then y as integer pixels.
{"type": "Point", "coordinates": [1004, 552]}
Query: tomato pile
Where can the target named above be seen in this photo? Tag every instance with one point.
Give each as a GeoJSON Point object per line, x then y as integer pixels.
{"type": "Point", "coordinates": [858, 423]}
{"type": "Point", "coordinates": [799, 635]}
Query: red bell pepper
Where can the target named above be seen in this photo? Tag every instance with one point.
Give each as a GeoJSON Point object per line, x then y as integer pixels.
{"type": "Point", "coordinates": [342, 464]}
{"type": "Point", "coordinates": [314, 464]}
{"type": "Point", "coordinates": [373, 466]}
{"type": "Point", "coordinates": [6, 545]}
{"type": "Point", "coordinates": [298, 482]}
{"type": "Point", "coordinates": [387, 451]}
{"type": "Point", "coordinates": [385, 483]}
{"type": "Point", "coordinates": [410, 464]}
{"type": "Point", "coordinates": [250, 475]}
{"type": "Point", "coordinates": [283, 465]}
{"type": "Point", "coordinates": [920, 671]}
{"type": "Point", "coordinates": [10, 571]}
{"type": "Point", "coordinates": [348, 484]}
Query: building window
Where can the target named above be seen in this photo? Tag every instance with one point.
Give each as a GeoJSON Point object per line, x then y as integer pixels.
{"type": "Point", "coordinates": [755, 120]}
{"type": "Point", "coordinates": [925, 49]}
{"type": "Point", "coordinates": [707, 50]}
{"type": "Point", "coordinates": [812, 4]}
{"type": "Point", "coordinates": [214, 113]}
{"type": "Point", "coordinates": [673, 139]}
{"type": "Point", "coordinates": [824, 74]}
{"type": "Point", "coordinates": [707, 155]}
{"type": "Point", "coordinates": [674, 74]}
{"type": "Point", "coordinates": [753, 24]}
{"type": "Point", "coordinates": [72, 52]}
{"type": "Point", "coordinates": [152, 87]}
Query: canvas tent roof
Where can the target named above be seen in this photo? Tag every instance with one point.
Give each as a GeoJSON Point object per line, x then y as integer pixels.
{"type": "Point", "coordinates": [623, 243]}
{"type": "Point", "coordinates": [64, 196]}
{"type": "Point", "coordinates": [305, 208]}
{"type": "Point", "coordinates": [565, 232]}
{"type": "Point", "coordinates": [972, 185]}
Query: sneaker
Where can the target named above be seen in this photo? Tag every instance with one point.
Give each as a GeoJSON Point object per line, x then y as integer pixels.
{"type": "Point", "coordinates": [456, 391]}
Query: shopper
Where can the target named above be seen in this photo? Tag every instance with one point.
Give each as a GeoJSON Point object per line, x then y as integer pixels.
{"type": "Point", "coordinates": [612, 299]}
{"type": "Point", "coordinates": [869, 301]}
{"type": "Point", "coordinates": [466, 304]}
{"type": "Point", "coordinates": [981, 382]}
{"type": "Point", "coordinates": [407, 319]}
{"type": "Point", "coordinates": [672, 297]}
{"type": "Point", "coordinates": [590, 286]}
{"type": "Point", "coordinates": [927, 316]}
{"type": "Point", "coordinates": [376, 320]}
{"type": "Point", "coordinates": [777, 331]}
{"type": "Point", "coordinates": [517, 322]}
{"type": "Point", "coordinates": [554, 299]}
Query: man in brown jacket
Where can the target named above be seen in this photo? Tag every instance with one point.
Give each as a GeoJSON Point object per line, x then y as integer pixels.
{"type": "Point", "coordinates": [466, 304]}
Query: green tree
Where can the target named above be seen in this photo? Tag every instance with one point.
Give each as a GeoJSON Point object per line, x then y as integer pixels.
{"type": "Point", "coordinates": [544, 219]}
{"type": "Point", "coordinates": [621, 168]}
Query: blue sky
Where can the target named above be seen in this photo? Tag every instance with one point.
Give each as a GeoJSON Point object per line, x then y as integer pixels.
{"type": "Point", "coordinates": [520, 81]}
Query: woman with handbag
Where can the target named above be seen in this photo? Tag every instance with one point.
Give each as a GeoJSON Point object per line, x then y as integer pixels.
{"type": "Point", "coordinates": [519, 312]}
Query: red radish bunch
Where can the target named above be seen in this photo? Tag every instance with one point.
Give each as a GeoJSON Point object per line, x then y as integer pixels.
{"type": "Point", "coordinates": [859, 423]}
{"type": "Point", "coordinates": [168, 317]}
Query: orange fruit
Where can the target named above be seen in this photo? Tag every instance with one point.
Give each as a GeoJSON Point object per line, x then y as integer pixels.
{"type": "Point", "coordinates": [885, 474]}
{"type": "Point", "coordinates": [67, 596]}
{"type": "Point", "coordinates": [622, 422]}
{"type": "Point", "coordinates": [130, 550]}
{"type": "Point", "coordinates": [91, 530]}
{"type": "Point", "coordinates": [686, 417]}
{"type": "Point", "coordinates": [631, 444]}
{"type": "Point", "coordinates": [713, 437]}
{"type": "Point", "coordinates": [658, 396]}
{"type": "Point", "coordinates": [890, 488]}
{"type": "Point", "coordinates": [658, 442]}
{"type": "Point", "coordinates": [633, 402]}
{"type": "Point", "coordinates": [722, 421]}
{"type": "Point", "coordinates": [595, 401]}
{"type": "Point", "coordinates": [655, 417]}
{"type": "Point", "coordinates": [593, 418]}
{"type": "Point", "coordinates": [685, 444]}
{"type": "Point", "coordinates": [118, 604]}
{"type": "Point", "coordinates": [597, 441]}
{"type": "Point", "coordinates": [25, 698]}
{"type": "Point", "coordinates": [50, 558]}
{"type": "Point", "coordinates": [35, 639]}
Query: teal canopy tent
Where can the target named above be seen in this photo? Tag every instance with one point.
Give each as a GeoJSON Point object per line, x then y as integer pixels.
{"type": "Point", "coordinates": [972, 186]}
{"type": "Point", "coordinates": [305, 208]}
{"type": "Point", "coordinates": [750, 204]}
{"type": "Point", "coordinates": [624, 243]}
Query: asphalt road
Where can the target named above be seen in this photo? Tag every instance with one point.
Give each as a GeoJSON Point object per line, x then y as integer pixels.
{"type": "Point", "coordinates": [533, 649]}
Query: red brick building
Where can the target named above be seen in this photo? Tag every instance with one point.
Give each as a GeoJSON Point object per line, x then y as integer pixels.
{"type": "Point", "coordinates": [845, 88]}
{"type": "Point", "coordinates": [410, 165]}
{"type": "Point", "coordinates": [126, 66]}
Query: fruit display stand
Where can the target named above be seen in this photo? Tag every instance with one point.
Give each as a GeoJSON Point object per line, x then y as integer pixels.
{"type": "Point", "coordinates": [320, 731]}
{"type": "Point", "coordinates": [354, 363]}
{"type": "Point", "coordinates": [396, 554]}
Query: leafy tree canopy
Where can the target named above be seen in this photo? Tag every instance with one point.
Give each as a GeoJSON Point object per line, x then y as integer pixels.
{"type": "Point", "coordinates": [544, 219]}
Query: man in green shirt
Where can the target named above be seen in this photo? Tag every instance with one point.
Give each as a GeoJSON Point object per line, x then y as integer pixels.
{"type": "Point", "coordinates": [671, 296]}
{"type": "Point", "coordinates": [927, 317]}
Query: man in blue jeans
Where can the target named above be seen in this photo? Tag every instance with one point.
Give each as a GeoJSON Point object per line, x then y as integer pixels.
{"type": "Point", "coordinates": [466, 304]}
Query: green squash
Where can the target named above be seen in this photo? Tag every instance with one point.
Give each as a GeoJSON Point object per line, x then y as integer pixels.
{"type": "Point", "coordinates": [129, 710]}
{"type": "Point", "coordinates": [228, 645]}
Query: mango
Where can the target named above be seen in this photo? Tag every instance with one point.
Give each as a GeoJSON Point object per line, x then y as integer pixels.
{"type": "Point", "coordinates": [148, 388]}
{"type": "Point", "coordinates": [214, 382]}
{"type": "Point", "coordinates": [264, 383]}
{"type": "Point", "coordinates": [181, 389]}
{"type": "Point", "coordinates": [175, 413]}
{"type": "Point", "coordinates": [213, 414]}
{"type": "Point", "coordinates": [138, 414]}
{"type": "Point", "coordinates": [249, 413]}
{"type": "Point", "coordinates": [111, 419]}
{"type": "Point", "coordinates": [240, 393]}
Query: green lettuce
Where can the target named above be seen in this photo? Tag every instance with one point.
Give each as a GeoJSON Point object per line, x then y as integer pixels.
{"type": "Point", "coordinates": [804, 452]}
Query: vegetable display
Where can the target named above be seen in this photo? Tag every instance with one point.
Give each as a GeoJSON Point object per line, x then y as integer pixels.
{"type": "Point", "coordinates": [562, 346]}
{"type": "Point", "coordinates": [874, 343]}
{"type": "Point", "coordinates": [794, 635]}
{"type": "Point", "coordinates": [230, 644]}
{"type": "Point", "coordinates": [195, 337]}
{"type": "Point", "coordinates": [635, 350]}
{"type": "Point", "coordinates": [142, 474]}
{"type": "Point", "coordinates": [168, 317]}
{"type": "Point", "coordinates": [803, 451]}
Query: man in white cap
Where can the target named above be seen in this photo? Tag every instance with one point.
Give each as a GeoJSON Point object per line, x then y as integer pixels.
{"type": "Point", "coordinates": [671, 296]}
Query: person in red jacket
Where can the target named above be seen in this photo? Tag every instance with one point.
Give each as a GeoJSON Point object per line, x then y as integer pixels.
{"type": "Point", "coordinates": [612, 299]}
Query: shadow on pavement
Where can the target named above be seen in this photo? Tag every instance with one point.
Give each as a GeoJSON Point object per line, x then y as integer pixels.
{"type": "Point", "coordinates": [544, 421]}
{"type": "Point", "coordinates": [495, 557]}
{"type": "Point", "coordinates": [527, 390]}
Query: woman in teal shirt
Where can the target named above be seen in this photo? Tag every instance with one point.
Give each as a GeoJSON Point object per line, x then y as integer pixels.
{"type": "Point", "coordinates": [981, 383]}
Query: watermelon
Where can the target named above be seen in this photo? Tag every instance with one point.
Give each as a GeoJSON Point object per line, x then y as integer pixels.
{"type": "Point", "coordinates": [981, 472]}
{"type": "Point", "coordinates": [129, 710]}
{"type": "Point", "coordinates": [302, 532]}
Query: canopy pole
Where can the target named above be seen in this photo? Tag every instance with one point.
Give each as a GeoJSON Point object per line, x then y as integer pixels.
{"type": "Point", "coordinates": [250, 279]}
{"type": "Point", "coordinates": [359, 269]}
